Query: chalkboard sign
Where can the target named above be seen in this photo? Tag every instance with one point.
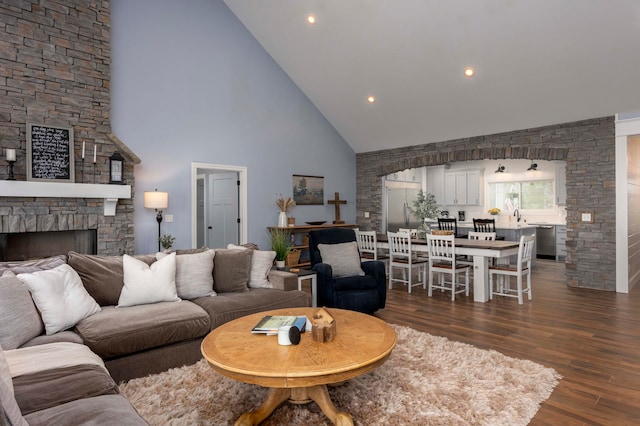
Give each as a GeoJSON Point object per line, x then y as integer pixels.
{"type": "Point", "coordinates": [50, 155]}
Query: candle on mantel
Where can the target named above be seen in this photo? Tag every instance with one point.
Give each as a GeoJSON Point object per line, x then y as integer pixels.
{"type": "Point", "coordinates": [11, 154]}
{"type": "Point", "coordinates": [83, 150]}
{"type": "Point", "coordinates": [94, 153]}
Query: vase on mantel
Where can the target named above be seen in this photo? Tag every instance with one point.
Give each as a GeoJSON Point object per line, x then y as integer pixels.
{"type": "Point", "coordinates": [282, 220]}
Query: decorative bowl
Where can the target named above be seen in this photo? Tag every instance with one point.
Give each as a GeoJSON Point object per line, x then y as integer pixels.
{"type": "Point", "coordinates": [317, 222]}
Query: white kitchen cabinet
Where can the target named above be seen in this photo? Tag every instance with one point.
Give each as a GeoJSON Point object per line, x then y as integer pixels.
{"type": "Point", "coordinates": [462, 188]}
{"type": "Point", "coordinates": [561, 183]}
{"type": "Point", "coordinates": [407, 175]}
{"type": "Point", "coordinates": [435, 183]}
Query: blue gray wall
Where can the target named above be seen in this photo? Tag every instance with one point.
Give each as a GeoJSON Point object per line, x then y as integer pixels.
{"type": "Point", "coordinates": [191, 84]}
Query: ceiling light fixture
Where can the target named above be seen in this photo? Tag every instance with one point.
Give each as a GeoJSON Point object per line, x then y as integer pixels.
{"type": "Point", "coordinates": [311, 19]}
{"type": "Point", "coordinates": [469, 72]}
{"type": "Point", "coordinates": [371, 99]}
{"type": "Point", "coordinates": [533, 166]}
{"type": "Point", "coordinates": [500, 169]}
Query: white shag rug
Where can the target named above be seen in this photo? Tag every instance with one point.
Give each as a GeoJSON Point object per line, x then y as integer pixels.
{"type": "Point", "coordinates": [427, 380]}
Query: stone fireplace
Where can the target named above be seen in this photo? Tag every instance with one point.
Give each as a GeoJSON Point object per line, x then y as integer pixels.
{"type": "Point", "coordinates": [56, 71]}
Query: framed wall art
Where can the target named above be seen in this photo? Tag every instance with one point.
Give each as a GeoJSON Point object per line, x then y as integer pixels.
{"type": "Point", "coordinates": [308, 190]}
{"type": "Point", "coordinates": [50, 153]}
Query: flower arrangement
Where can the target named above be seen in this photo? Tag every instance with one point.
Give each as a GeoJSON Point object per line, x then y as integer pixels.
{"type": "Point", "coordinates": [284, 203]}
{"type": "Point", "coordinates": [493, 211]}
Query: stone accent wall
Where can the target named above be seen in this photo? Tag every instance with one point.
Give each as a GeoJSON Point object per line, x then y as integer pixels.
{"type": "Point", "coordinates": [55, 59]}
{"type": "Point", "coordinates": [588, 147]}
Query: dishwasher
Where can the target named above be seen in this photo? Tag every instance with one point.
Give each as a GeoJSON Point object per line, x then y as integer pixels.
{"type": "Point", "coordinates": [546, 241]}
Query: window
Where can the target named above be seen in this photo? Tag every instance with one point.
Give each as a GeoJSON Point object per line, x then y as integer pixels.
{"type": "Point", "coordinates": [523, 195]}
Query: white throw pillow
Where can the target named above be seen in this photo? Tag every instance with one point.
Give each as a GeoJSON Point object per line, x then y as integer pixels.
{"type": "Point", "coordinates": [60, 297]}
{"type": "Point", "coordinates": [261, 263]}
{"type": "Point", "coordinates": [344, 258]}
{"type": "Point", "coordinates": [194, 274]}
{"type": "Point", "coordinates": [148, 284]}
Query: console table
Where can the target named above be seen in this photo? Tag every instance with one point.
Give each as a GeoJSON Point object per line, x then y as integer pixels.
{"type": "Point", "coordinates": [300, 236]}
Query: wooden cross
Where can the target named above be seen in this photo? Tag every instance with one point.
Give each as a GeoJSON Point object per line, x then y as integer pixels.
{"type": "Point", "coordinates": [336, 203]}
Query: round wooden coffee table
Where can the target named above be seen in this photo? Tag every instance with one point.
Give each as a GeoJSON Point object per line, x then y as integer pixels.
{"type": "Point", "coordinates": [299, 373]}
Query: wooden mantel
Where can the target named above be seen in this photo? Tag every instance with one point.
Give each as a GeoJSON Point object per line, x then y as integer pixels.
{"type": "Point", "coordinates": [110, 193]}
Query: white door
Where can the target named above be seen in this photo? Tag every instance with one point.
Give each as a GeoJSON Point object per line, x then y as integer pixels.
{"type": "Point", "coordinates": [223, 215]}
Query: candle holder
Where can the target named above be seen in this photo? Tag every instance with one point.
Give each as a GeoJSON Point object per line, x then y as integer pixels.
{"type": "Point", "coordinates": [10, 167]}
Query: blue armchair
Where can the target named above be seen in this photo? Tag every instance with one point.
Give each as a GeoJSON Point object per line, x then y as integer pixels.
{"type": "Point", "coordinates": [363, 293]}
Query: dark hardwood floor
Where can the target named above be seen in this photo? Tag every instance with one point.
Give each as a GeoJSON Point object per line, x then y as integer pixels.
{"type": "Point", "coordinates": [591, 337]}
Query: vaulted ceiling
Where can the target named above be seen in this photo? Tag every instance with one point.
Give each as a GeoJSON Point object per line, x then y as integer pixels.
{"type": "Point", "coordinates": [537, 62]}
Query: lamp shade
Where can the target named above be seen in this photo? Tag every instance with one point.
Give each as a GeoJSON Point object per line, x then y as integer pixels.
{"type": "Point", "coordinates": [156, 200]}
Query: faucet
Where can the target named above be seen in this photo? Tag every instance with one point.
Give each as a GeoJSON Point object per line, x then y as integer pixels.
{"type": "Point", "coordinates": [516, 213]}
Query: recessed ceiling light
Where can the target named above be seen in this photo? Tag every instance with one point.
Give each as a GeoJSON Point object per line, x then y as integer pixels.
{"type": "Point", "coordinates": [311, 19]}
{"type": "Point", "coordinates": [469, 72]}
{"type": "Point", "coordinates": [371, 99]}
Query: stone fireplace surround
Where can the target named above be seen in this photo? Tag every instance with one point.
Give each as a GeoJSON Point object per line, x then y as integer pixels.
{"type": "Point", "coordinates": [55, 69]}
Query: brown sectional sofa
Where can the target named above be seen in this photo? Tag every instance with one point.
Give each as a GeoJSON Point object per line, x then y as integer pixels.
{"type": "Point", "coordinates": [131, 341]}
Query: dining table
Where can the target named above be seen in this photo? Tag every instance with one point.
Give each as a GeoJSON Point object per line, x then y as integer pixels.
{"type": "Point", "coordinates": [480, 250]}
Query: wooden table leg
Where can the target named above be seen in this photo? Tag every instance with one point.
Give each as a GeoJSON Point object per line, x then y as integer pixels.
{"type": "Point", "coordinates": [320, 395]}
{"type": "Point", "coordinates": [275, 397]}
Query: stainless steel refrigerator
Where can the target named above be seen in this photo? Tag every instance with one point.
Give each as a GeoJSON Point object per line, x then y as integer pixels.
{"type": "Point", "coordinates": [399, 198]}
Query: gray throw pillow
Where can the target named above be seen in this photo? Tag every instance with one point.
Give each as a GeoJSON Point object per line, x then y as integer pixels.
{"type": "Point", "coordinates": [19, 319]}
{"type": "Point", "coordinates": [29, 266]}
{"type": "Point", "coordinates": [231, 270]}
{"type": "Point", "coordinates": [344, 258]}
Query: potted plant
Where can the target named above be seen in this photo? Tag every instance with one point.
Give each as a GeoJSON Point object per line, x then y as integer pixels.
{"type": "Point", "coordinates": [280, 244]}
{"type": "Point", "coordinates": [166, 241]}
{"type": "Point", "coordinates": [424, 207]}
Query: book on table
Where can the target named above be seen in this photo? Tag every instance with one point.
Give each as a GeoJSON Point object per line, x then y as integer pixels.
{"type": "Point", "coordinates": [269, 324]}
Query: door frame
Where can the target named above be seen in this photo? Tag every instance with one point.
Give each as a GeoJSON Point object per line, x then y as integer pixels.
{"type": "Point", "coordinates": [242, 197]}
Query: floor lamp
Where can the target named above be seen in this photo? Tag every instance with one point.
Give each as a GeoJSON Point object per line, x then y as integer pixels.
{"type": "Point", "coordinates": [158, 201]}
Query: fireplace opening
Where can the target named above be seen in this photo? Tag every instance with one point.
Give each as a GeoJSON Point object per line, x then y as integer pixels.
{"type": "Point", "coordinates": [38, 245]}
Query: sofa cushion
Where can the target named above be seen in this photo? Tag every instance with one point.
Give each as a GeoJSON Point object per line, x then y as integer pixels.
{"type": "Point", "coordinates": [229, 306]}
{"type": "Point", "coordinates": [53, 355]}
{"type": "Point", "coordinates": [49, 388]}
{"type": "Point", "coordinates": [104, 410]}
{"type": "Point", "coordinates": [9, 410]}
{"type": "Point", "coordinates": [19, 318]}
{"type": "Point", "coordinates": [5, 373]}
{"type": "Point", "coordinates": [194, 273]}
{"type": "Point", "coordinates": [148, 283]}
{"type": "Point", "coordinates": [67, 336]}
{"type": "Point", "coordinates": [60, 297]}
{"type": "Point", "coordinates": [261, 263]}
{"type": "Point", "coordinates": [344, 258]}
{"type": "Point", "coordinates": [231, 270]}
{"type": "Point", "coordinates": [29, 266]}
{"type": "Point", "coordinates": [119, 331]}
{"type": "Point", "coordinates": [102, 276]}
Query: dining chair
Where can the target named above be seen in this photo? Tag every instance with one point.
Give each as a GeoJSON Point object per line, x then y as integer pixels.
{"type": "Point", "coordinates": [411, 231]}
{"type": "Point", "coordinates": [484, 225]}
{"type": "Point", "coordinates": [448, 224]}
{"type": "Point", "coordinates": [368, 246]}
{"type": "Point", "coordinates": [442, 260]}
{"type": "Point", "coordinates": [402, 257]}
{"type": "Point", "coordinates": [519, 270]}
{"type": "Point", "coordinates": [473, 235]}
{"type": "Point", "coordinates": [481, 235]}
